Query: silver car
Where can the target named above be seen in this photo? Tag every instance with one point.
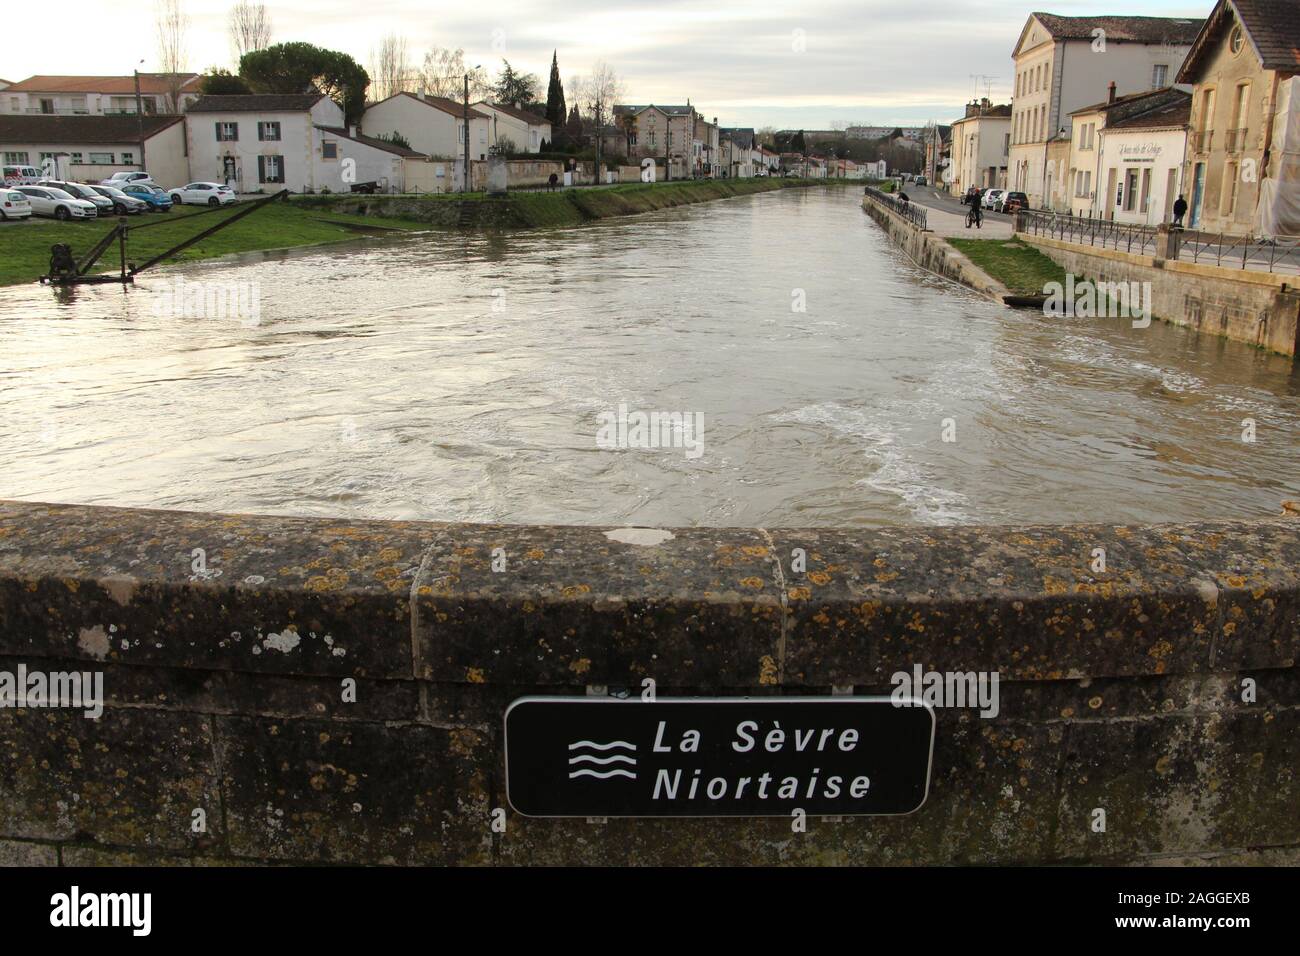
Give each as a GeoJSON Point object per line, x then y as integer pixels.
{"type": "Point", "coordinates": [78, 191]}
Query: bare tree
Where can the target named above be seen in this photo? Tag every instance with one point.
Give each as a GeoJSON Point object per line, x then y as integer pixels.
{"type": "Point", "coordinates": [443, 74]}
{"type": "Point", "coordinates": [172, 25]}
{"type": "Point", "coordinates": [599, 91]}
{"type": "Point", "coordinates": [390, 67]}
{"type": "Point", "coordinates": [250, 28]}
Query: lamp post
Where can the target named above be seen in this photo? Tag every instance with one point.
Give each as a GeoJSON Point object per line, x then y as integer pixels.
{"type": "Point", "coordinates": [467, 167]}
{"type": "Point", "coordinates": [139, 113]}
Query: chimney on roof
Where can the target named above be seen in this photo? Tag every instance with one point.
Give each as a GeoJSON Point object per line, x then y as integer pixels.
{"type": "Point", "coordinates": [1110, 92]}
{"type": "Point", "coordinates": [352, 131]}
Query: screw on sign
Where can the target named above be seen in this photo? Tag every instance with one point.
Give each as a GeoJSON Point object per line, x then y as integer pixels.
{"type": "Point", "coordinates": [700, 757]}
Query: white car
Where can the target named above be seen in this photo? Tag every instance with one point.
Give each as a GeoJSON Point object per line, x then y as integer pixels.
{"type": "Point", "coordinates": [991, 197]}
{"type": "Point", "coordinates": [203, 194]}
{"type": "Point", "coordinates": [14, 205]}
{"type": "Point", "coordinates": [47, 201]}
{"type": "Point", "coordinates": [121, 179]}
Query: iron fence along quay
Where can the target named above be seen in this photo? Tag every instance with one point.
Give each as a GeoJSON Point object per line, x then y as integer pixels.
{"type": "Point", "coordinates": [912, 212]}
{"type": "Point", "coordinates": [1281, 253]}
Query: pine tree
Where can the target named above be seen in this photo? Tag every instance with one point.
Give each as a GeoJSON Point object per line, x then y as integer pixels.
{"type": "Point", "coordinates": [556, 112]}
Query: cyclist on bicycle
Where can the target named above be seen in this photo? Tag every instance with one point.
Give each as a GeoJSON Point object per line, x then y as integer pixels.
{"type": "Point", "coordinates": [976, 207]}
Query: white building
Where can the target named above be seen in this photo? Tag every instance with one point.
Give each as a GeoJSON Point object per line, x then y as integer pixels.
{"type": "Point", "coordinates": [265, 142]}
{"type": "Point", "coordinates": [433, 125]}
{"type": "Point", "coordinates": [1065, 63]}
{"type": "Point", "coordinates": [981, 143]}
{"type": "Point", "coordinates": [527, 131]}
{"type": "Point", "coordinates": [94, 147]}
{"type": "Point", "coordinates": [96, 95]}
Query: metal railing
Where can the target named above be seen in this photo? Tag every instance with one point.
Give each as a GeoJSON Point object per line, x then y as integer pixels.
{"type": "Point", "coordinates": [1234, 140]}
{"type": "Point", "coordinates": [1276, 254]}
{"type": "Point", "coordinates": [1093, 232]}
{"type": "Point", "coordinates": [913, 213]}
{"type": "Point", "coordinates": [1201, 141]}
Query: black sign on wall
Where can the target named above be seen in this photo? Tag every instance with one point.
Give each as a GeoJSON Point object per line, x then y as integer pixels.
{"type": "Point", "coordinates": [707, 757]}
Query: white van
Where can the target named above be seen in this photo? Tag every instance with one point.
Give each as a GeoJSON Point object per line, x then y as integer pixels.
{"type": "Point", "coordinates": [22, 175]}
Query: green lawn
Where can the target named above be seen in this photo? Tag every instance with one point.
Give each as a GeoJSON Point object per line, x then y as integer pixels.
{"type": "Point", "coordinates": [1021, 268]}
{"type": "Point", "coordinates": [25, 246]}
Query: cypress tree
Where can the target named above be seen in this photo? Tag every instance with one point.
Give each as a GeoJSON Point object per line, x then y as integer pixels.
{"type": "Point", "coordinates": [556, 112]}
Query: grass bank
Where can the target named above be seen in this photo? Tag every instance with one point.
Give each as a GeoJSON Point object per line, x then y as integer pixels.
{"type": "Point", "coordinates": [25, 246]}
{"type": "Point", "coordinates": [565, 207]}
{"type": "Point", "coordinates": [313, 220]}
{"type": "Point", "coordinates": [1021, 268]}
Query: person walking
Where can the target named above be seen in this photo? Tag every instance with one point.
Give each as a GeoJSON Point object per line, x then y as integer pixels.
{"type": "Point", "coordinates": [1180, 210]}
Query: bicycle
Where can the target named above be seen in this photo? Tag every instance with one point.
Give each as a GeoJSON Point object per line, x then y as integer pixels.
{"type": "Point", "coordinates": [973, 216]}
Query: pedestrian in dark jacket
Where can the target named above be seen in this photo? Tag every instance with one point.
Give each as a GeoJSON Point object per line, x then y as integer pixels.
{"type": "Point", "coordinates": [1180, 210]}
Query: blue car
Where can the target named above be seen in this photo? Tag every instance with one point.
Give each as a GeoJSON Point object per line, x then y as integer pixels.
{"type": "Point", "coordinates": [158, 200]}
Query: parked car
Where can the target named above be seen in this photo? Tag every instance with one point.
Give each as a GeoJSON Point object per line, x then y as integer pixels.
{"type": "Point", "coordinates": [922, 181]}
{"type": "Point", "coordinates": [123, 204]}
{"type": "Point", "coordinates": [1012, 201]}
{"type": "Point", "coordinates": [77, 190]}
{"type": "Point", "coordinates": [14, 205]}
{"type": "Point", "coordinates": [22, 175]}
{"type": "Point", "coordinates": [48, 201]}
{"type": "Point", "coordinates": [158, 200]}
{"type": "Point", "coordinates": [992, 196]}
{"type": "Point", "coordinates": [203, 194]}
{"type": "Point", "coordinates": [133, 176]}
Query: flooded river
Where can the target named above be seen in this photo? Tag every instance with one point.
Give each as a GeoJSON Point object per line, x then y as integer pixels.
{"type": "Point", "coordinates": [468, 378]}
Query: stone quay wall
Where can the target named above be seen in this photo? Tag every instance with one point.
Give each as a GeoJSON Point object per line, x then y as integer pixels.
{"type": "Point", "coordinates": [329, 691]}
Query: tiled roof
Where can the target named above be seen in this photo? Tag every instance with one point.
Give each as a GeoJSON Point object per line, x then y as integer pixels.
{"type": "Point", "coordinates": [1175, 114]}
{"type": "Point", "coordinates": [152, 83]}
{"type": "Point", "coordinates": [1175, 30]}
{"type": "Point", "coordinates": [532, 119]}
{"type": "Point", "coordinates": [383, 144]}
{"type": "Point", "coordinates": [1131, 103]}
{"type": "Point", "coordinates": [256, 103]}
{"type": "Point", "coordinates": [58, 130]}
{"type": "Point", "coordinates": [1272, 26]}
{"type": "Point", "coordinates": [439, 103]}
{"type": "Point", "coordinates": [672, 110]}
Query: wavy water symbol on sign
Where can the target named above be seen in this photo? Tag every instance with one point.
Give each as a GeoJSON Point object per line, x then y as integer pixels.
{"type": "Point", "coordinates": [607, 764]}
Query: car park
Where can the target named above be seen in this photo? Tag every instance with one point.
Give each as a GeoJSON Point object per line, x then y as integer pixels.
{"type": "Point", "coordinates": [158, 200]}
{"type": "Point", "coordinates": [203, 194]}
{"type": "Point", "coordinates": [22, 175]}
{"type": "Point", "coordinates": [123, 204]}
{"type": "Point", "coordinates": [14, 205]}
{"type": "Point", "coordinates": [79, 191]}
{"type": "Point", "coordinates": [991, 198]}
{"type": "Point", "coordinates": [55, 203]}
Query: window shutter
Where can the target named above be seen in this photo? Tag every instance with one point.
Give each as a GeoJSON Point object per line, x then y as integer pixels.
{"type": "Point", "coordinates": [261, 169]}
{"type": "Point", "coordinates": [219, 136]}
{"type": "Point", "coordinates": [261, 131]}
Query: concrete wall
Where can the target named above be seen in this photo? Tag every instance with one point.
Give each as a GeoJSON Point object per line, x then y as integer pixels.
{"type": "Point", "coordinates": [1257, 308]}
{"type": "Point", "coordinates": [1120, 690]}
{"type": "Point", "coordinates": [932, 252]}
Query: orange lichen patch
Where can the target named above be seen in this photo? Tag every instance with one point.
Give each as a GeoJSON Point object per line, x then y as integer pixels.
{"type": "Point", "coordinates": [880, 562]}
{"type": "Point", "coordinates": [1230, 628]}
{"type": "Point", "coordinates": [581, 666]}
{"type": "Point", "coordinates": [335, 579]}
{"type": "Point", "coordinates": [536, 554]}
{"type": "Point", "coordinates": [1054, 585]}
{"type": "Point", "coordinates": [755, 552]}
{"type": "Point", "coordinates": [800, 594]}
{"type": "Point", "coordinates": [72, 584]}
{"type": "Point", "coordinates": [1233, 580]}
{"type": "Point", "coordinates": [819, 577]}
{"type": "Point", "coordinates": [884, 577]}
{"type": "Point", "coordinates": [1094, 702]}
{"type": "Point", "coordinates": [767, 671]}
{"type": "Point", "coordinates": [389, 555]}
{"type": "Point", "coordinates": [385, 574]}
{"type": "Point", "coordinates": [573, 590]}
{"type": "Point", "coordinates": [474, 675]}
{"type": "Point", "coordinates": [821, 617]}
{"type": "Point", "coordinates": [755, 583]}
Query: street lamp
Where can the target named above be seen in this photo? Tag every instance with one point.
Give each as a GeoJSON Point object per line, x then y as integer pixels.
{"type": "Point", "coordinates": [139, 112]}
{"type": "Point", "coordinates": [467, 176]}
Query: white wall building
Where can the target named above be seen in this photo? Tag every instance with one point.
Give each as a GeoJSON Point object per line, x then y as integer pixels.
{"type": "Point", "coordinates": [95, 95]}
{"type": "Point", "coordinates": [94, 147]}
{"type": "Point", "coordinates": [265, 142]}
{"type": "Point", "coordinates": [1065, 63]}
{"type": "Point", "coordinates": [980, 148]}
{"type": "Point", "coordinates": [526, 130]}
{"type": "Point", "coordinates": [433, 125]}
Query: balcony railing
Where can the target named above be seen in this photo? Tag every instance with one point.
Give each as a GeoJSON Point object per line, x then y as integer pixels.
{"type": "Point", "coordinates": [1234, 140]}
{"type": "Point", "coordinates": [1201, 141]}
{"type": "Point", "coordinates": [908, 210]}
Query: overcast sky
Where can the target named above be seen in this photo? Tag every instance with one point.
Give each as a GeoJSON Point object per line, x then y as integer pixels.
{"type": "Point", "coordinates": [748, 62]}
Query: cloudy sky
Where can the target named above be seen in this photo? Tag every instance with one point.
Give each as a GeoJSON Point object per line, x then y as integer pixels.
{"type": "Point", "coordinates": [749, 62]}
